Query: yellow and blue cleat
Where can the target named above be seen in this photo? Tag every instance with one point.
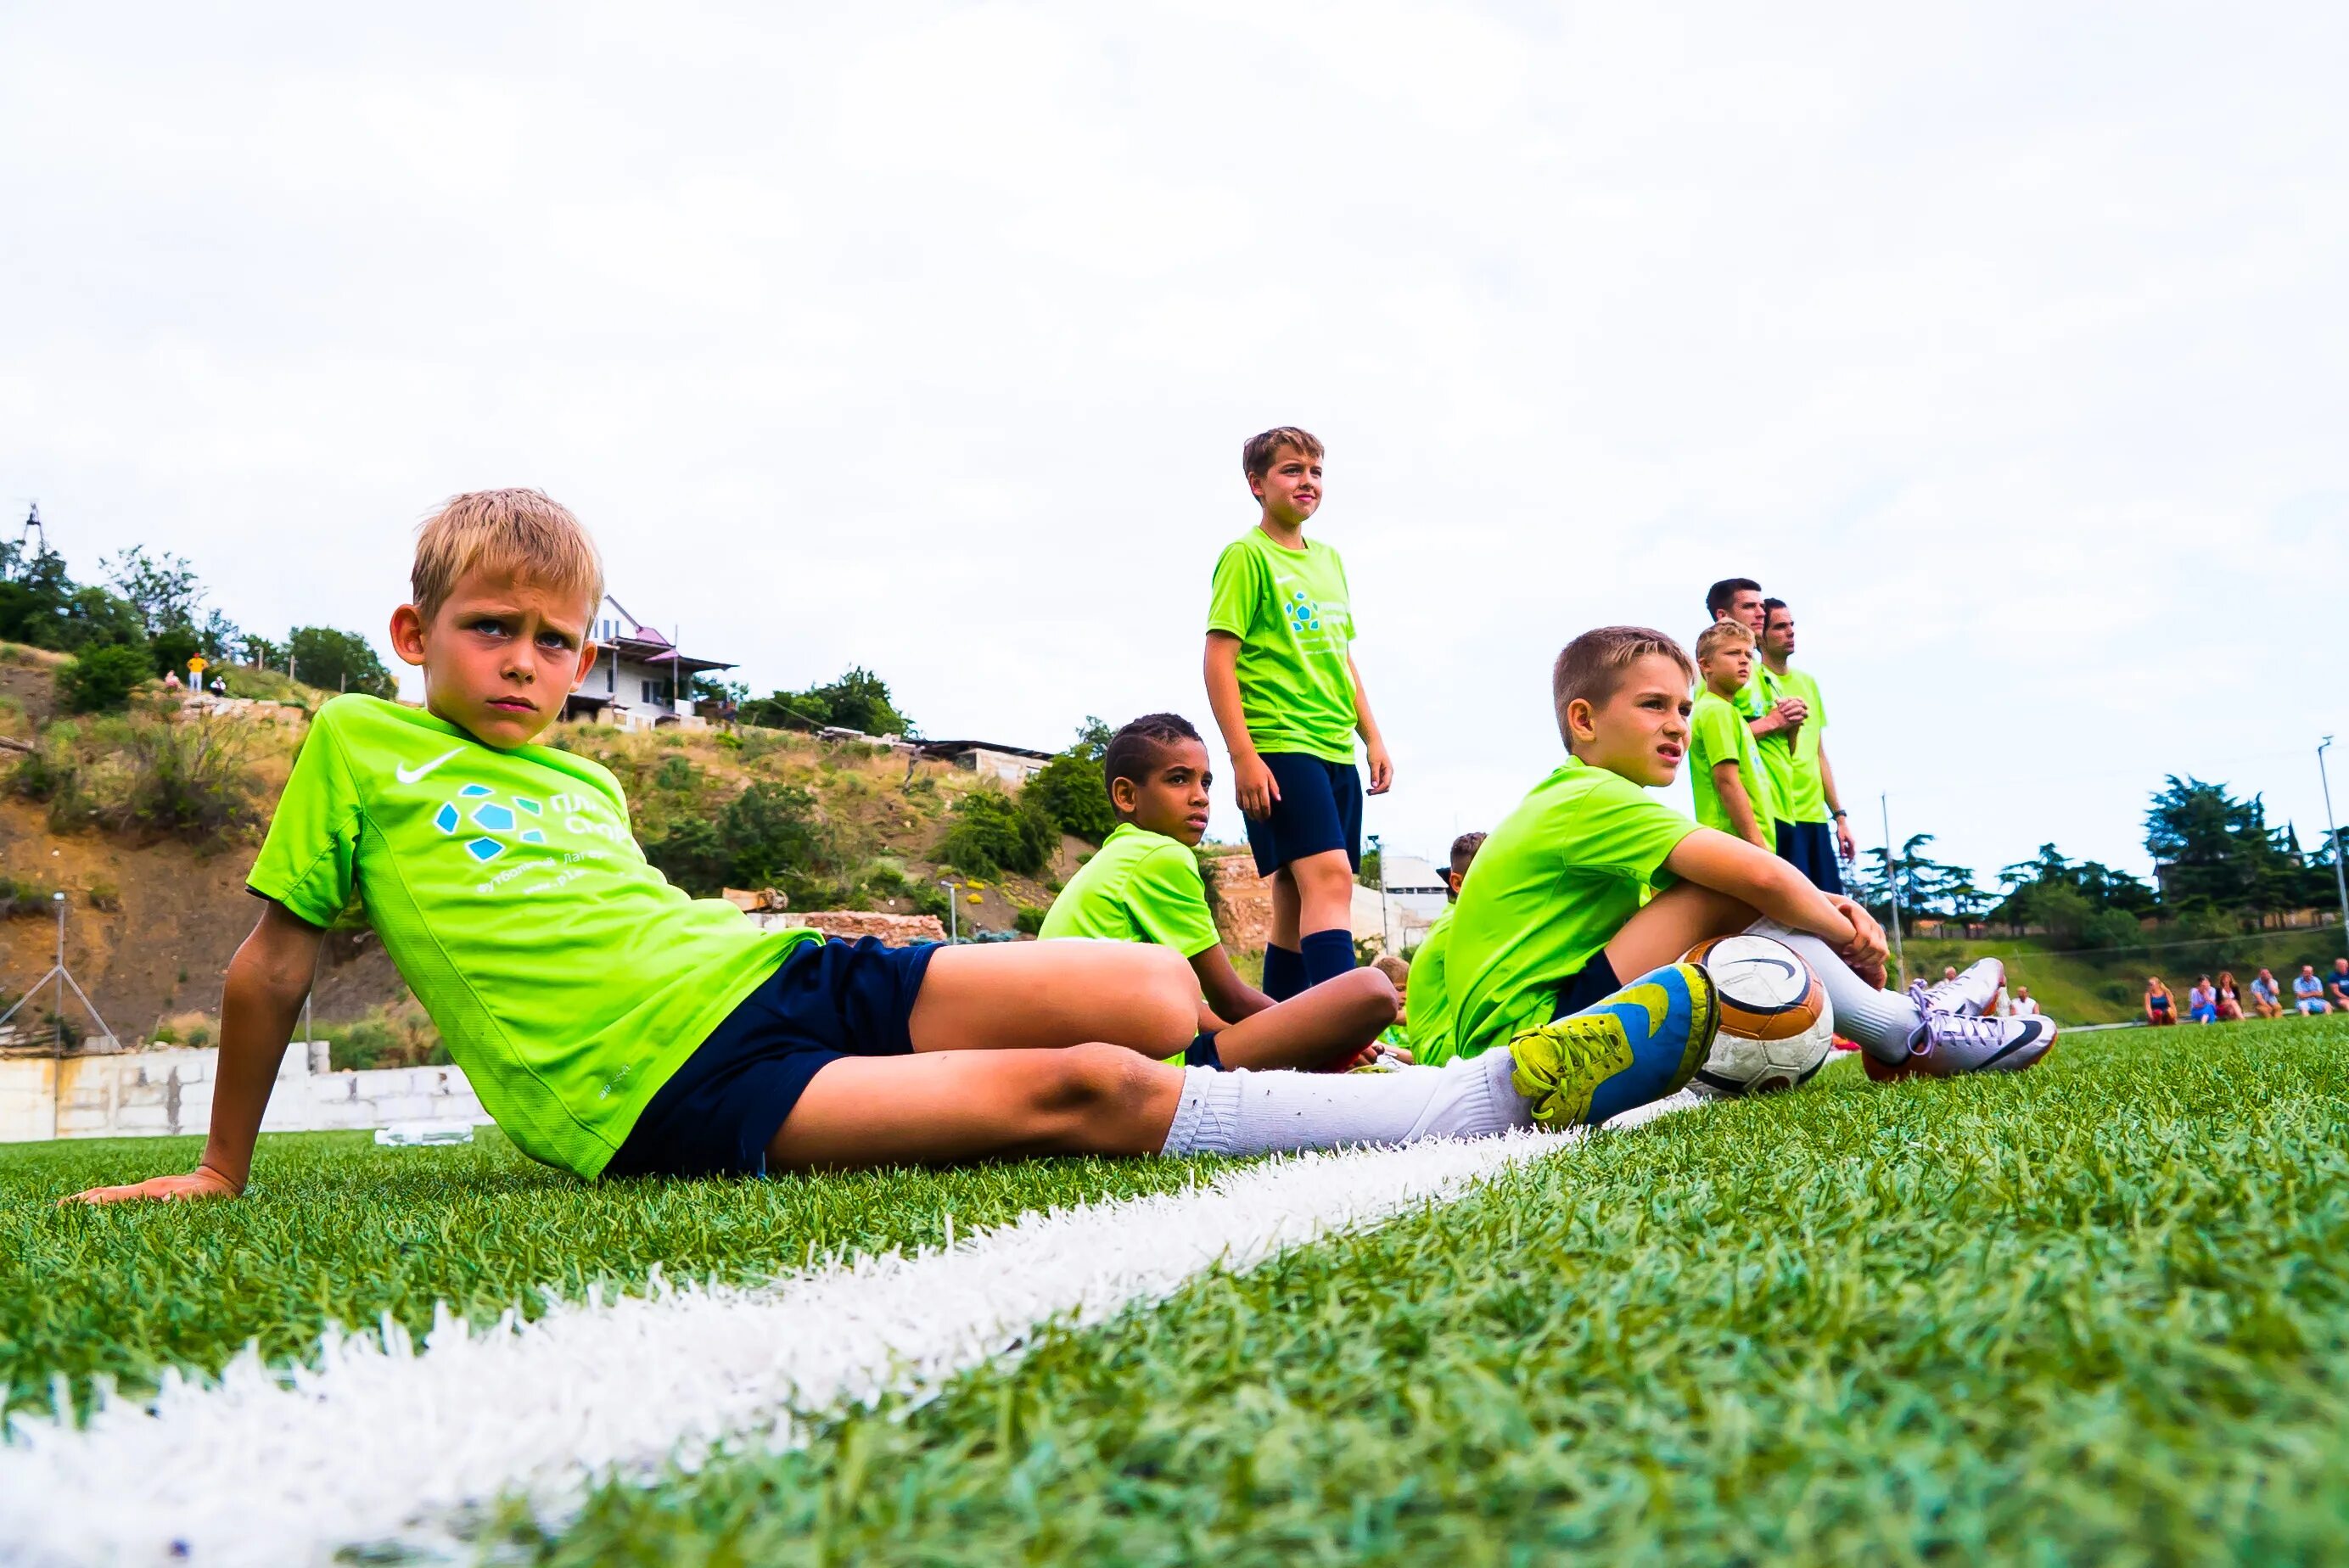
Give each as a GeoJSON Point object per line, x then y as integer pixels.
{"type": "Point", "coordinates": [1642, 1043]}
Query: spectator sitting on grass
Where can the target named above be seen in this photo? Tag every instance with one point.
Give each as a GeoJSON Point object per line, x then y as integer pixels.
{"type": "Point", "coordinates": [2336, 990]}
{"type": "Point", "coordinates": [2202, 1002]}
{"type": "Point", "coordinates": [2308, 992]}
{"type": "Point", "coordinates": [2230, 1005]}
{"type": "Point", "coordinates": [2160, 1007]}
{"type": "Point", "coordinates": [2023, 1006]}
{"type": "Point", "coordinates": [2267, 996]}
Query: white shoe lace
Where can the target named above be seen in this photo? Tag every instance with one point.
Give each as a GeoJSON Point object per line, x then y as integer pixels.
{"type": "Point", "coordinates": [1945, 1024]}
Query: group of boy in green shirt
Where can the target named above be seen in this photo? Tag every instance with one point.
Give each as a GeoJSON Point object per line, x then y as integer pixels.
{"type": "Point", "coordinates": [612, 1026]}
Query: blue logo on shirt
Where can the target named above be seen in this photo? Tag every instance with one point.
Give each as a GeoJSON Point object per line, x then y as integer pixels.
{"type": "Point", "coordinates": [492, 820]}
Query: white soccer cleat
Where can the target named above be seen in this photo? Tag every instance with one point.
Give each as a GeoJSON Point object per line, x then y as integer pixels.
{"type": "Point", "coordinates": [1971, 994]}
{"type": "Point", "coordinates": [1949, 1043]}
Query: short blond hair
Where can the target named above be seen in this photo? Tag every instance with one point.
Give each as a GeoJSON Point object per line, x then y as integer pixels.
{"type": "Point", "coordinates": [1396, 970]}
{"type": "Point", "coordinates": [1260, 451]}
{"type": "Point", "coordinates": [1720, 634]}
{"type": "Point", "coordinates": [524, 534]}
{"type": "Point", "coordinates": [1591, 666]}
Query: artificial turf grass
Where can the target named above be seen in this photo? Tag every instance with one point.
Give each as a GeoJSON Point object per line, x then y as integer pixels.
{"type": "Point", "coordinates": [2097, 1311]}
{"type": "Point", "coordinates": [337, 1230]}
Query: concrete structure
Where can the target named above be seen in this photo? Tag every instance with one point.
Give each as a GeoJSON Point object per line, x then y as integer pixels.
{"type": "Point", "coordinates": [1416, 900]}
{"type": "Point", "coordinates": [640, 680]}
{"type": "Point", "coordinates": [1013, 765]}
{"type": "Point", "coordinates": [893, 930]}
{"type": "Point", "coordinates": [163, 1092]}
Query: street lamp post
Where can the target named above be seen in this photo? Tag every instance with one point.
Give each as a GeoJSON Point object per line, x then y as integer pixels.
{"type": "Point", "coordinates": [954, 916]}
{"type": "Point", "coordinates": [1386, 936]}
{"type": "Point", "coordinates": [2340, 879]}
{"type": "Point", "coordinates": [1892, 889]}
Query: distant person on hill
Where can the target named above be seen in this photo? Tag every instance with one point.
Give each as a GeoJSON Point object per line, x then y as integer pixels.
{"type": "Point", "coordinates": [2267, 996]}
{"type": "Point", "coordinates": [1143, 885]}
{"type": "Point", "coordinates": [1286, 694]}
{"type": "Point", "coordinates": [2024, 1005]}
{"type": "Point", "coordinates": [2202, 1002]}
{"type": "Point", "coordinates": [613, 1026]}
{"type": "Point", "coordinates": [2308, 992]}
{"type": "Point", "coordinates": [2230, 1004]}
{"type": "Point", "coordinates": [2160, 1007]}
{"type": "Point", "coordinates": [1428, 969]}
{"type": "Point", "coordinates": [1948, 972]}
{"type": "Point", "coordinates": [2336, 985]}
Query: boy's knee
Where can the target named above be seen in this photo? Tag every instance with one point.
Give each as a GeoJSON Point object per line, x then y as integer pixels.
{"type": "Point", "coordinates": [1093, 1081]}
{"type": "Point", "coordinates": [1170, 1000]}
{"type": "Point", "coordinates": [1372, 995]}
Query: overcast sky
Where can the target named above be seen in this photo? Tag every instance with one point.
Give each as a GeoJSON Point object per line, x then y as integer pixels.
{"type": "Point", "coordinates": [2003, 341]}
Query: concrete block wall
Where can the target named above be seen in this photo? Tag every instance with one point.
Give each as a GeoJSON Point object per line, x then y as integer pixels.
{"type": "Point", "coordinates": [162, 1092]}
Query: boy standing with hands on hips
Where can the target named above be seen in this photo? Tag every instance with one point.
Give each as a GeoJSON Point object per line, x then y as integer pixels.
{"type": "Point", "coordinates": [1285, 692]}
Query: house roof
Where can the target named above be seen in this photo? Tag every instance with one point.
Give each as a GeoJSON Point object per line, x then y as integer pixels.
{"type": "Point", "coordinates": [643, 644]}
{"type": "Point", "coordinates": [949, 747]}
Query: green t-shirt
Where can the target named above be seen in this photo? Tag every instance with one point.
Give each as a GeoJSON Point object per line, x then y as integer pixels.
{"type": "Point", "coordinates": [567, 977]}
{"type": "Point", "coordinates": [1289, 611]}
{"type": "Point", "coordinates": [1140, 887]}
{"type": "Point", "coordinates": [1549, 890]}
{"type": "Point", "coordinates": [1425, 1008]}
{"type": "Point", "coordinates": [1798, 789]}
{"type": "Point", "coordinates": [1717, 734]}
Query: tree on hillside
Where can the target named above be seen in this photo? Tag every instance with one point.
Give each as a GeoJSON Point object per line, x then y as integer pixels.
{"type": "Point", "coordinates": [2219, 853]}
{"type": "Point", "coordinates": [163, 587]}
{"type": "Point", "coordinates": [339, 661]}
{"type": "Point", "coordinates": [1094, 736]}
{"type": "Point", "coordinates": [40, 603]}
{"type": "Point", "coordinates": [1070, 790]}
{"type": "Point", "coordinates": [2055, 890]}
{"type": "Point", "coordinates": [858, 700]}
{"type": "Point", "coordinates": [1926, 886]}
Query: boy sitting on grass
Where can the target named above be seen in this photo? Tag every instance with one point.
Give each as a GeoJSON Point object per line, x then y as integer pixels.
{"type": "Point", "coordinates": [1428, 1043]}
{"type": "Point", "coordinates": [612, 1026]}
{"type": "Point", "coordinates": [1143, 885]}
{"type": "Point", "coordinates": [1733, 793]}
{"type": "Point", "coordinates": [1592, 877]}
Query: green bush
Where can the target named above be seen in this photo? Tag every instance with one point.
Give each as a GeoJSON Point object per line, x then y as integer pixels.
{"type": "Point", "coordinates": [102, 679]}
{"type": "Point", "coordinates": [1028, 919]}
{"type": "Point", "coordinates": [1069, 791]}
{"type": "Point", "coordinates": [993, 833]}
{"type": "Point", "coordinates": [768, 836]}
{"type": "Point", "coordinates": [398, 1037]}
{"type": "Point", "coordinates": [189, 780]}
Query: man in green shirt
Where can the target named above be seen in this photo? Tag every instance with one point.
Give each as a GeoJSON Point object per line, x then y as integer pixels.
{"type": "Point", "coordinates": [1143, 885]}
{"type": "Point", "coordinates": [1813, 833]}
{"type": "Point", "coordinates": [1282, 685]}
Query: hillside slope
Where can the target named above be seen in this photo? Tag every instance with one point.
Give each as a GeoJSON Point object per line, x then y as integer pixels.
{"type": "Point", "coordinates": [152, 920]}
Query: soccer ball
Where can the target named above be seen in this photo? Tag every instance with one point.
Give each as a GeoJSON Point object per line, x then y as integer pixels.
{"type": "Point", "coordinates": [1777, 1029]}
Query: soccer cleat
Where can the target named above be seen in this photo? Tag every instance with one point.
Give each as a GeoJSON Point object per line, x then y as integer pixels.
{"type": "Point", "coordinates": [1949, 1044]}
{"type": "Point", "coordinates": [1639, 1045]}
{"type": "Point", "coordinates": [1971, 993]}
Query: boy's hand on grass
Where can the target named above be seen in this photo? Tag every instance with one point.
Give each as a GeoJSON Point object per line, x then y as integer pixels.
{"type": "Point", "coordinates": [1382, 767]}
{"type": "Point", "coordinates": [1252, 781]}
{"type": "Point", "coordinates": [203, 1182]}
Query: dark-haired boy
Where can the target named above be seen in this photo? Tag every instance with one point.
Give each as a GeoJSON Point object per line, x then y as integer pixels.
{"type": "Point", "coordinates": [1592, 877]}
{"type": "Point", "coordinates": [1143, 885]}
{"type": "Point", "coordinates": [1287, 695]}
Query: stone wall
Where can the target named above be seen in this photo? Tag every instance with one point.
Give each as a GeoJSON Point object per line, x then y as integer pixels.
{"type": "Point", "coordinates": [893, 930]}
{"type": "Point", "coordinates": [157, 1093]}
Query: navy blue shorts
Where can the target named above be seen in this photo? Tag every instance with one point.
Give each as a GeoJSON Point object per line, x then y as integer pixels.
{"type": "Point", "coordinates": [1591, 985]}
{"type": "Point", "coordinates": [716, 1115]}
{"type": "Point", "coordinates": [1319, 810]}
{"type": "Point", "coordinates": [1810, 848]}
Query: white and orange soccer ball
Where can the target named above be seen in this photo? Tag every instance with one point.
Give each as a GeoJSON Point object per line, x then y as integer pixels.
{"type": "Point", "coordinates": [1777, 1029]}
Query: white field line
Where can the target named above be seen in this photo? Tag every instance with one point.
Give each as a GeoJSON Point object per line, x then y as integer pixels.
{"type": "Point", "coordinates": [386, 1439]}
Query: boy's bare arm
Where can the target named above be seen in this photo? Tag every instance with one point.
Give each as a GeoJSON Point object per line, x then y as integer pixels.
{"type": "Point", "coordinates": [1844, 843]}
{"type": "Point", "coordinates": [1374, 744]}
{"type": "Point", "coordinates": [1770, 886]}
{"type": "Point", "coordinates": [1252, 781]}
{"type": "Point", "coordinates": [266, 982]}
{"type": "Point", "coordinates": [1734, 800]}
{"type": "Point", "coordinates": [1230, 997]}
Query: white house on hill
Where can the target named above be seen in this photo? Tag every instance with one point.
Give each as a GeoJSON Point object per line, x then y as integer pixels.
{"type": "Point", "coordinates": [640, 679]}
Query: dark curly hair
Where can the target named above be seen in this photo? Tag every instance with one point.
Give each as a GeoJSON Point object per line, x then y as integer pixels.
{"type": "Point", "coordinates": [1134, 749]}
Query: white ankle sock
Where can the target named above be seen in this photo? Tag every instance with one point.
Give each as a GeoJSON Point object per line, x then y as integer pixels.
{"type": "Point", "coordinates": [1883, 1023]}
{"type": "Point", "coordinates": [1244, 1112]}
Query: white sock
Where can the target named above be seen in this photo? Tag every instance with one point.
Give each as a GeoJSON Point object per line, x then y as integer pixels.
{"type": "Point", "coordinates": [1883, 1023]}
{"type": "Point", "coordinates": [1244, 1112]}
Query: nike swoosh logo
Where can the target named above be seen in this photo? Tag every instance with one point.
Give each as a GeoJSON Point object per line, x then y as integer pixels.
{"type": "Point", "coordinates": [410, 774]}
